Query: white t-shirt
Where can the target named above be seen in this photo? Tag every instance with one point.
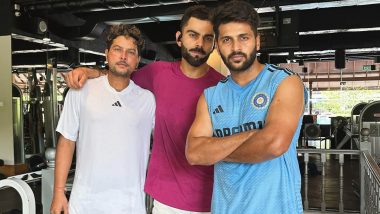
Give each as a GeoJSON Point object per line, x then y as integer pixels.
{"type": "Point", "coordinates": [112, 133]}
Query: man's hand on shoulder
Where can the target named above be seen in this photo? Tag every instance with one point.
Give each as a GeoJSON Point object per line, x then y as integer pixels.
{"type": "Point", "coordinates": [77, 77]}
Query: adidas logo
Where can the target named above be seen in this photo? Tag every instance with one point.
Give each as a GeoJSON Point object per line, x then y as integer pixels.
{"type": "Point", "coordinates": [218, 109]}
{"type": "Point", "coordinates": [117, 103]}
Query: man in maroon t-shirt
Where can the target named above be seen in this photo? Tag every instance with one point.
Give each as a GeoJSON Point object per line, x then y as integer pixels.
{"type": "Point", "coordinates": [176, 186]}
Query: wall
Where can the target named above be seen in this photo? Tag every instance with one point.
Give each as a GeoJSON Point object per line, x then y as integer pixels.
{"type": "Point", "coordinates": [6, 123]}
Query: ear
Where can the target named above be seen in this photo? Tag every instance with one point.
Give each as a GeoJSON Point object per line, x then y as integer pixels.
{"type": "Point", "coordinates": [178, 38]}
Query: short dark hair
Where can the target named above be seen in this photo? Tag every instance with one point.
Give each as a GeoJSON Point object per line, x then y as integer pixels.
{"type": "Point", "coordinates": [235, 11]}
{"type": "Point", "coordinates": [197, 11]}
{"type": "Point", "coordinates": [125, 30]}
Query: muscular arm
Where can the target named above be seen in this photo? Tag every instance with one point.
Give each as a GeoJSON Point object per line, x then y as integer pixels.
{"type": "Point", "coordinates": [201, 147]}
{"type": "Point", "coordinates": [281, 123]}
{"type": "Point", "coordinates": [77, 77]}
{"type": "Point", "coordinates": [252, 146]}
{"type": "Point", "coordinates": [63, 159]}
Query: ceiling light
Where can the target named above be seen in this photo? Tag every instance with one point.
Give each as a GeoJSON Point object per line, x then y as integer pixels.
{"type": "Point", "coordinates": [91, 52]}
{"type": "Point", "coordinates": [146, 20]}
{"type": "Point", "coordinates": [309, 6]}
{"type": "Point", "coordinates": [39, 41]}
{"type": "Point", "coordinates": [328, 52]}
{"type": "Point", "coordinates": [87, 63]}
{"type": "Point", "coordinates": [339, 31]}
{"type": "Point", "coordinates": [39, 50]}
{"type": "Point", "coordinates": [42, 26]}
{"type": "Point", "coordinates": [28, 66]}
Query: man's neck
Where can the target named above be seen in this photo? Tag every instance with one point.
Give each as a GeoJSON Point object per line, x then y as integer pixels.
{"type": "Point", "coordinates": [193, 72]}
{"type": "Point", "coordinates": [244, 77]}
{"type": "Point", "coordinates": [118, 83]}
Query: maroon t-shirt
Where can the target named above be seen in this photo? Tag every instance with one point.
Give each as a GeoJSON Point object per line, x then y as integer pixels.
{"type": "Point", "coordinates": [171, 180]}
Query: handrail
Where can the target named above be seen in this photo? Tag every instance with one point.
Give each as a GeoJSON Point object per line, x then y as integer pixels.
{"type": "Point", "coordinates": [373, 167]}
{"type": "Point", "coordinates": [340, 153]}
{"type": "Point", "coordinates": [26, 193]}
{"type": "Point", "coordinates": [330, 151]}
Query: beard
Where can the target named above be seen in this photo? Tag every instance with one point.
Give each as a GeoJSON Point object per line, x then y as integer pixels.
{"type": "Point", "coordinates": [246, 64]}
{"type": "Point", "coordinates": [118, 73]}
{"type": "Point", "coordinates": [194, 61]}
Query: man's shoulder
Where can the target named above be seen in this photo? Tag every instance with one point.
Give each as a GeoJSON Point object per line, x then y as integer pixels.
{"type": "Point", "coordinates": [158, 65]}
{"type": "Point", "coordinates": [142, 91]}
{"type": "Point", "coordinates": [220, 84]}
{"type": "Point", "coordinates": [90, 85]}
{"type": "Point", "coordinates": [223, 81]}
{"type": "Point", "coordinates": [277, 70]}
{"type": "Point", "coordinates": [94, 83]}
{"type": "Point", "coordinates": [152, 69]}
{"type": "Point", "coordinates": [88, 89]}
{"type": "Point", "coordinates": [216, 74]}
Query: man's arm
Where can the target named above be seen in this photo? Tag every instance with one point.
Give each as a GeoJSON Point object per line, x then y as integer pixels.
{"type": "Point", "coordinates": [77, 77]}
{"type": "Point", "coordinates": [201, 147]}
{"type": "Point", "coordinates": [281, 123]}
{"type": "Point", "coordinates": [255, 145]}
{"type": "Point", "coordinates": [63, 159]}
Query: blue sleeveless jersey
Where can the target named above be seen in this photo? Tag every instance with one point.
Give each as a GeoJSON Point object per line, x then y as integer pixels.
{"type": "Point", "coordinates": [268, 187]}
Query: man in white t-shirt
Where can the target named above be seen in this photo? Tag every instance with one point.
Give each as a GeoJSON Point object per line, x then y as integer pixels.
{"type": "Point", "coordinates": [109, 121]}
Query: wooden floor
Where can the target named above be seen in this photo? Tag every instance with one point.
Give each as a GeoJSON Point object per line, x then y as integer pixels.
{"type": "Point", "coordinates": [351, 201]}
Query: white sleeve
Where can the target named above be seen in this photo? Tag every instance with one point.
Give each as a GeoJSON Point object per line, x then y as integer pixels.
{"type": "Point", "coordinates": [68, 124]}
{"type": "Point", "coordinates": [153, 111]}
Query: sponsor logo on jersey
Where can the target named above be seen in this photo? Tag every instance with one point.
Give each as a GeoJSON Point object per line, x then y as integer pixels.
{"type": "Point", "coordinates": [218, 109]}
{"type": "Point", "coordinates": [260, 100]}
{"type": "Point", "coordinates": [237, 129]}
{"type": "Point", "coordinates": [117, 103]}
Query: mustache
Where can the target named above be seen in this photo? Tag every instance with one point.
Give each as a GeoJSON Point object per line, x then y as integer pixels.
{"type": "Point", "coordinates": [122, 63]}
{"type": "Point", "coordinates": [200, 50]}
{"type": "Point", "coordinates": [237, 53]}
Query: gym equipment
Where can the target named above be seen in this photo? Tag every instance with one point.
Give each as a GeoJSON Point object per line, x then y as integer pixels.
{"type": "Point", "coordinates": [306, 119]}
{"type": "Point", "coordinates": [312, 131]}
{"type": "Point", "coordinates": [355, 113]}
{"type": "Point", "coordinates": [47, 181]}
{"type": "Point", "coordinates": [340, 134]}
{"type": "Point", "coordinates": [354, 126]}
{"type": "Point", "coordinates": [26, 193]}
{"type": "Point", "coordinates": [50, 104]}
{"type": "Point", "coordinates": [2, 176]}
{"type": "Point", "coordinates": [370, 118]}
{"type": "Point", "coordinates": [18, 125]}
{"type": "Point", "coordinates": [33, 118]}
{"type": "Point", "coordinates": [35, 163]}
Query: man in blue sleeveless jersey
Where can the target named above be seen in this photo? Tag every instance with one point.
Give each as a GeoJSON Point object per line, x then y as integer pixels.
{"type": "Point", "coordinates": [248, 124]}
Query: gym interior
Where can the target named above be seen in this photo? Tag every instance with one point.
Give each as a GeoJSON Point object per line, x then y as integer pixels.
{"type": "Point", "coordinates": [333, 46]}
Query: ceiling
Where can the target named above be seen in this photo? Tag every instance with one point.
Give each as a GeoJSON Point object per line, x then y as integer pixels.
{"type": "Point", "coordinates": [291, 29]}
